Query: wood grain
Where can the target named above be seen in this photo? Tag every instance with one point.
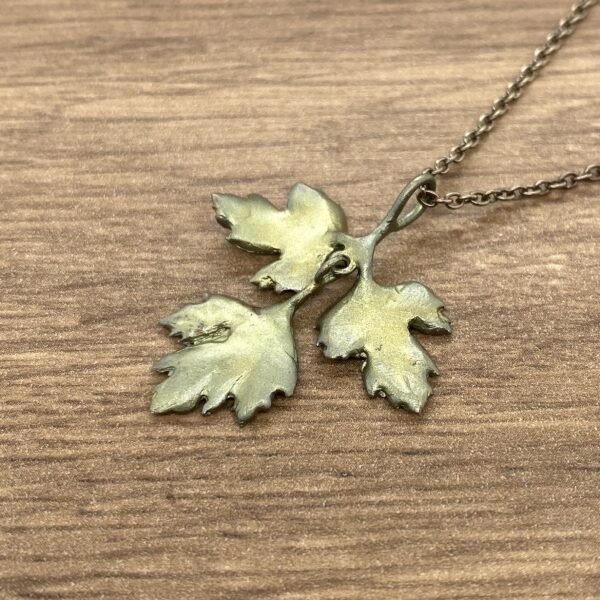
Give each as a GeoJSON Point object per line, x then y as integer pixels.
{"type": "Point", "coordinates": [117, 121]}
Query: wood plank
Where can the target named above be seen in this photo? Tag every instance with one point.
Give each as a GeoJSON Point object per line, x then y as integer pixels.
{"type": "Point", "coordinates": [117, 121]}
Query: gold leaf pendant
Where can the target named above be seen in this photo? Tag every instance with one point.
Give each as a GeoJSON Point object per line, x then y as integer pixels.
{"type": "Point", "coordinates": [246, 355]}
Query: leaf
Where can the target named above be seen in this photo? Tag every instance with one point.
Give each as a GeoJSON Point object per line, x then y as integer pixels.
{"type": "Point", "coordinates": [233, 351]}
{"type": "Point", "coordinates": [304, 234]}
{"type": "Point", "coordinates": [372, 323]}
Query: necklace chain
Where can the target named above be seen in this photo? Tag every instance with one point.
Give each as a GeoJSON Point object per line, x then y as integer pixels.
{"type": "Point", "coordinates": [487, 120]}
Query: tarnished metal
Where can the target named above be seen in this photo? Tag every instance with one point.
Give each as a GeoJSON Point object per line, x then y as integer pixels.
{"type": "Point", "coordinates": [372, 323]}
{"type": "Point", "coordinates": [455, 200]}
{"type": "Point", "coordinates": [232, 352]}
{"type": "Point", "coordinates": [303, 234]}
{"type": "Point", "coordinates": [487, 120]}
{"type": "Point", "coordinates": [246, 355]}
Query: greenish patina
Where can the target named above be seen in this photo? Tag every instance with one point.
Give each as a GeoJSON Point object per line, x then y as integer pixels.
{"type": "Point", "coordinates": [246, 355]}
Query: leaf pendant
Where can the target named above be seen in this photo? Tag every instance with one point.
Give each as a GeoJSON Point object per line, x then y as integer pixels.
{"type": "Point", "coordinates": [232, 351]}
{"type": "Point", "coordinates": [304, 234]}
{"type": "Point", "coordinates": [372, 323]}
{"type": "Point", "coordinates": [246, 355]}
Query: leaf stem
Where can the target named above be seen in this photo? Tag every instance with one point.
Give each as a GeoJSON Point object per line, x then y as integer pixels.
{"type": "Point", "coordinates": [298, 298]}
{"type": "Point", "coordinates": [392, 222]}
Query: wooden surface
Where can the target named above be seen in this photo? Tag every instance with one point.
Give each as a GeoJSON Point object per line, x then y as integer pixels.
{"type": "Point", "coordinates": [117, 121]}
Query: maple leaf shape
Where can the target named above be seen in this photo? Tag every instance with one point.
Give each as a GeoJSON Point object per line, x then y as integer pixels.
{"type": "Point", "coordinates": [303, 234]}
{"type": "Point", "coordinates": [372, 323]}
{"type": "Point", "coordinates": [233, 352]}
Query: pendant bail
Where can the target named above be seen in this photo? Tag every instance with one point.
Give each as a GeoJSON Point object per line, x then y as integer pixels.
{"type": "Point", "coordinates": [392, 221]}
{"type": "Point", "coordinates": [423, 184]}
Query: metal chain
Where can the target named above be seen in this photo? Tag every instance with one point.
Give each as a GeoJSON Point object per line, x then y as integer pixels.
{"type": "Point", "coordinates": [529, 73]}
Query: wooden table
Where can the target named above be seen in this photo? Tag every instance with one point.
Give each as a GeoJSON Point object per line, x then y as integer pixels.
{"type": "Point", "coordinates": [118, 119]}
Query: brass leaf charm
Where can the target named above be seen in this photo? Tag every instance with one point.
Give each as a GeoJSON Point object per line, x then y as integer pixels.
{"type": "Point", "coordinates": [372, 323]}
{"type": "Point", "coordinates": [237, 352]}
{"type": "Point", "coordinates": [232, 352]}
{"type": "Point", "coordinates": [303, 234]}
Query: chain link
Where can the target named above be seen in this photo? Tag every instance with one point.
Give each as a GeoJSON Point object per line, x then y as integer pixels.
{"type": "Point", "coordinates": [529, 73]}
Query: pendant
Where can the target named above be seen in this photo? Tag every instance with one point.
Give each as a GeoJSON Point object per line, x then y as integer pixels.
{"type": "Point", "coordinates": [239, 354]}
